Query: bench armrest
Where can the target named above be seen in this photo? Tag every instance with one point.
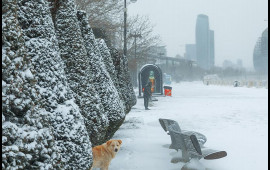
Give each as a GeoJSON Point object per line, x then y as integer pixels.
{"type": "Point", "coordinates": [200, 137]}
{"type": "Point", "coordinates": [196, 144]}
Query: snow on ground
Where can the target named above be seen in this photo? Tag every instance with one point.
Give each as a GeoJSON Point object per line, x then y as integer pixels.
{"type": "Point", "coordinates": [234, 119]}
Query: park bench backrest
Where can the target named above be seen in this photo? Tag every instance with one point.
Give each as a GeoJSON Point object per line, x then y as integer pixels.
{"type": "Point", "coordinates": [165, 123]}
{"type": "Point", "coordinates": [190, 147]}
{"type": "Point", "coordinates": [176, 139]}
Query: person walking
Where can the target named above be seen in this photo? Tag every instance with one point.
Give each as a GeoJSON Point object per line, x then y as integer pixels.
{"type": "Point", "coordinates": [147, 94]}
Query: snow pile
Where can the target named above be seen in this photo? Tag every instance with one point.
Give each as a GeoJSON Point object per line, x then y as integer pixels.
{"type": "Point", "coordinates": [193, 164]}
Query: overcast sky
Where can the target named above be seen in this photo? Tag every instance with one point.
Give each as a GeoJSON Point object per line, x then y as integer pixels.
{"type": "Point", "coordinates": [237, 24]}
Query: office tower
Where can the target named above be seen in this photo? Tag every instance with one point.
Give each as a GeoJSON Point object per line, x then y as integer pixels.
{"type": "Point", "coordinates": [211, 49]}
{"type": "Point", "coordinates": [191, 52]}
{"type": "Point", "coordinates": [260, 54]}
{"type": "Point", "coordinates": [202, 41]}
{"type": "Point", "coordinates": [205, 44]}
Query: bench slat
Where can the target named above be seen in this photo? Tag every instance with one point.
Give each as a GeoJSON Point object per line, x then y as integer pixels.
{"type": "Point", "coordinates": [213, 154]}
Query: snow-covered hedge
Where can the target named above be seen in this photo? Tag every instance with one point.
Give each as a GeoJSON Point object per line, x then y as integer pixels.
{"type": "Point", "coordinates": [73, 52]}
{"type": "Point", "coordinates": [61, 91]}
{"type": "Point", "coordinates": [67, 123]}
{"type": "Point", "coordinates": [27, 136]}
{"type": "Point", "coordinates": [124, 81]}
{"type": "Point", "coordinates": [113, 105]}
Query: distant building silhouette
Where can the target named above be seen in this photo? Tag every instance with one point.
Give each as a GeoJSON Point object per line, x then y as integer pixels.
{"type": "Point", "coordinates": [191, 52]}
{"type": "Point", "coordinates": [239, 63]}
{"type": "Point", "coordinates": [228, 64]}
{"type": "Point", "coordinates": [205, 52]}
{"type": "Point", "coordinates": [211, 49]}
{"type": "Point", "coordinates": [260, 54]}
{"type": "Point", "coordinates": [159, 51]}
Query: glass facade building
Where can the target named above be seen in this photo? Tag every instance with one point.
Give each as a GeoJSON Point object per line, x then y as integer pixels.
{"type": "Point", "coordinates": [202, 41]}
{"type": "Point", "coordinates": [190, 52]}
{"type": "Point", "coordinates": [205, 51]}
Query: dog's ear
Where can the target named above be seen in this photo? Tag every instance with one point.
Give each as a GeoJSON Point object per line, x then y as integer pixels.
{"type": "Point", "coordinates": [119, 141]}
{"type": "Point", "coordinates": [109, 142]}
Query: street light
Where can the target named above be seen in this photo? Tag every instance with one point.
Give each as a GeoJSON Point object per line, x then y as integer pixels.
{"type": "Point", "coordinates": [125, 25]}
{"type": "Point", "coordinates": [136, 35]}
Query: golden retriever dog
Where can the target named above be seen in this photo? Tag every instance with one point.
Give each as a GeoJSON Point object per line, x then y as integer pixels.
{"type": "Point", "coordinates": [103, 154]}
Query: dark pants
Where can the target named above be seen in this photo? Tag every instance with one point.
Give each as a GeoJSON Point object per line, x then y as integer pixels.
{"type": "Point", "coordinates": [146, 101]}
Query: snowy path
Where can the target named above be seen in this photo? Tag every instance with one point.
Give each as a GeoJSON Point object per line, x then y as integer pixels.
{"type": "Point", "coordinates": [233, 119]}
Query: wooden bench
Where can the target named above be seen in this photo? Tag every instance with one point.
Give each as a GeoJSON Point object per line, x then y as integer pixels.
{"type": "Point", "coordinates": [165, 123]}
{"type": "Point", "coordinates": [190, 147]}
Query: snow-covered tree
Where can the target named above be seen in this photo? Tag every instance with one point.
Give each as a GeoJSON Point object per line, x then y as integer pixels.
{"type": "Point", "coordinates": [78, 73]}
{"type": "Point", "coordinates": [27, 139]}
{"type": "Point", "coordinates": [102, 81]}
{"type": "Point", "coordinates": [71, 137]}
{"type": "Point", "coordinates": [60, 91]}
{"type": "Point", "coordinates": [107, 59]}
{"type": "Point", "coordinates": [16, 68]}
{"type": "Point", "coordinates": [124, 81]}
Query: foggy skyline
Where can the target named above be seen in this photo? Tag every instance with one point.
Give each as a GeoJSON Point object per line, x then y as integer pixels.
{"type": "Point", "coordinates": [237, 25]}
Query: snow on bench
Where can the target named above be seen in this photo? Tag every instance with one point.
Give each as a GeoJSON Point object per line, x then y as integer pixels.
{"type": "Point", "coordinates": [190, 147]}
{"type": "Point", "coordinates": [165, 123]}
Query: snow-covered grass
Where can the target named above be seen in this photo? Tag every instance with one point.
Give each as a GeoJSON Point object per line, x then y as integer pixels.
{"type": "Point", "coordinates": [234, 119]}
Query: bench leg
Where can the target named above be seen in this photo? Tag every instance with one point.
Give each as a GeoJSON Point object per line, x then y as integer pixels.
{"type": "Point", "coordinates": [193, 164]}
{"type": "Point", "coordinates": [177, 159]}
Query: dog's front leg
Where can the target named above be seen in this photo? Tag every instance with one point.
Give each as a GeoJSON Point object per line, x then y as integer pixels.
{"type": "Point", "coordinates": [105, 168]}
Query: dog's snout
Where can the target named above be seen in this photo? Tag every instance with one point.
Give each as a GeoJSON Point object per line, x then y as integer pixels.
{"type": "Point", "coordinates": [116, 150]}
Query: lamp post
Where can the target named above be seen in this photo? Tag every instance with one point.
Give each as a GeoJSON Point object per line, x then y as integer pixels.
{"type": "Point", "coordinates": [136, 35]}
{"type": "Point", "coordinates": [125, 25]}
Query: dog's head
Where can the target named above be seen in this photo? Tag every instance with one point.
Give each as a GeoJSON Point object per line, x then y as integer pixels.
{"type": "Point", "coordinates": [114, 145]}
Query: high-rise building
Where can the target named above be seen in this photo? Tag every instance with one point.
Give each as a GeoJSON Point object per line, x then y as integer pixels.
{"type": "Point", "coordinates": [202, 41]}
{"type": "Point", "coordinates": [205, 51]}
{"type": "Point", "coordinates": [211, 49]}
{"type": "Point", "coordinates": [260, 54]}
{"type": "Point", "coordinates": [191, 52]}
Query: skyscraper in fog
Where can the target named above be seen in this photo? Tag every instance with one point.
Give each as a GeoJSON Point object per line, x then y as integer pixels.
{"type": "Point", "coordinates": [205, 51]}
{"type": "Point", "coordinates": [211, 49]}
{"type": "Point", "coordinates": [260, 54]}
{"type": "Point", "coordinates": [190, 52]}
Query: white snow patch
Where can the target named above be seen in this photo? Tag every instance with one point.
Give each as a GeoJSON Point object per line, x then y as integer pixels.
{"type": "Point", "coordinates": [232, 119]}
{"type": "Point", "coordinates": [28, 74]}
